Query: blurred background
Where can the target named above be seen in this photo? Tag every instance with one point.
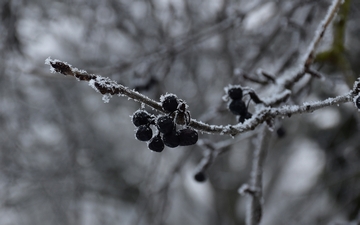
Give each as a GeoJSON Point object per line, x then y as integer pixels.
{"type": "Point", "coordinates": [69, 158]}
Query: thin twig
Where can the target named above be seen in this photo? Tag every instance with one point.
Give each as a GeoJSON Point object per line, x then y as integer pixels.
{"type": "Point", "coordinates": [313, 73]}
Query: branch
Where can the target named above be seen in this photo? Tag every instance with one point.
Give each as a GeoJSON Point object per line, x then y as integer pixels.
{"type": "Point", "coordinates": [104, 85]}
{"type": "Point", "coordinates": [321, 31]}
{"type": "Point", "coordinates": [310, 55]}
{"type": "Point", "coordinates": [254, 190]}
{"type": "Point", "coordinates": [108, 87]}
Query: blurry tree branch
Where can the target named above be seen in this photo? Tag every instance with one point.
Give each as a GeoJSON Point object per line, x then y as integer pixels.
{"type": "Point", "coordinates": [254, 189]}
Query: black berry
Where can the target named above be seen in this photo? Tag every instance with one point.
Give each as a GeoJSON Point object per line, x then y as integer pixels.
{"type": "Point", "coordinates": [141, 117]}
{"type": "Point", "coordinates": [143, 133]}
{"type": "Point", "coordinates": [171, 139]}
{"type": "Point", "coordinates": [281, 132]}
{"type": "Point", "coordinates": [357, 102]}
{"type": "Point", "coordinates": [235, 93]}
{"type": "Point", "coordinates": [238, 107]}
{"type": "Point", "coordinates": [165, 124]}
{"type": "Point", "coordinates": [243, 118]}
{"type": "Point", "coordinates": [156, 144]}
{"type": "Point", "coordinates": [169, 103]}
{"type": "Point", "coordinates": [188, 136]}
{"type": "Point", "coordinates": [200, 176]}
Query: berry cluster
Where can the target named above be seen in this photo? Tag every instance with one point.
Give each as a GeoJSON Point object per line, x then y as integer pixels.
{"type": "Point", "coordinates": [167, 134]}
{"type": "Point", "coordinates": [237, 106]}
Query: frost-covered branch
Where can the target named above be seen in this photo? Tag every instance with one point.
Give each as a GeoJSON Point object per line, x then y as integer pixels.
{"type": "Point", "coordinates": [310, 54]}
{"type": "Point", "coordinates": [264, 113]}
{"type": "Point", "coordinates": [254, 189]}
{"type": "Point", "coordinates": [104, 85]}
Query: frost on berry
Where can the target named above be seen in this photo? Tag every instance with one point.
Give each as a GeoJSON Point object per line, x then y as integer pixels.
{"type": "Point", "coordinates": [143, 133]}
{"type": "Point", "coordinates": [169, 102]}
{"type": "Point", "coordinates": [235, 92]}
{"type": "Point", "coordinates": [281, 132]}
{"type": "Point", "coordinates": [141, 117]}
{"type": "Point", "coordinates": [156, 144]}
{"type": "Point", "coordinates": [238, 107]}
{"type": "Point", "coordinates": [188, 136]}
{"type": "Point", "coordinates": [165, 124]}
{"type": "Point", "coordinates": [171, 139]}
{"type": "Point", "coordinates": [200, 176]}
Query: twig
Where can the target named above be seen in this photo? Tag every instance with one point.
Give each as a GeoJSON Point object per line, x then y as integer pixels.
{"type": "Point", "coordinates": [108, 87]}
{"type": "Point", "coordinates": [313, 73]}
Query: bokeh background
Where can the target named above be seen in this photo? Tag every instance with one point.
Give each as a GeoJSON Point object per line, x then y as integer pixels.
{"type": "Point", "coordinates": [66, 157]}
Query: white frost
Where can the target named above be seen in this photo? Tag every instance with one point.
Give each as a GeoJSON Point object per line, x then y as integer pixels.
{"type": "Point", "coordinates": [162, 97]}
{"type": "Point", "coordinates": [106, 98]}
{"type": "Point", "coordinates": [92, 84]}
{"type": "Point", "coordinates": [47, 62]}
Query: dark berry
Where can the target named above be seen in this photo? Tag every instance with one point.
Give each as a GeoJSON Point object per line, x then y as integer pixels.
{"type": "Point", "coordinates": [188, 136]}
{"type": "Point", "coordinates": [357, 102]}
{"type": "Point", "coordinates": [281, 132]}
{"type": "Point", "coordinates": [169, 102]}
{"type": "Point", "coordinates": [156, 144]}
{"type": "Point", "coordinates": [243, 118]}
{"type": "Point", "coordinates": [165, 124]}
{"type": "Point", "coordinates": [141, 117]}
{"type": "Point", "coordinates": [171, 139]}
{"type": "Point", "coordinates": [235, 93]}
{"type": "Point", "coordinates": [200, 176]}
{"type": "Point", "coordinates": [143, 133]}
{"type": "Point", "coordinates": [238, 107]}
